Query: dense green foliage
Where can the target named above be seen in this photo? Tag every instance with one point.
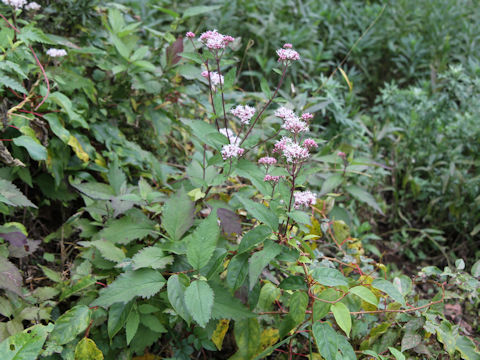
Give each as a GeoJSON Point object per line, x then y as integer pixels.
{"type": "Point", "coordinates": [125, 234]}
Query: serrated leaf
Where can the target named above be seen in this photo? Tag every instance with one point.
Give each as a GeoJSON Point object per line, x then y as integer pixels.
{"type": "Point", "coordinates": [117, 317]}
{"type": "Point", "coordinates": [253, 237]}
{"type": "Point", "coordinates": [70, 324]}
{"type": "Point", "coordinates": [203, 242]}
{"type": "Point", "coordinates": [178, 215]}
{"type": "Point", "coordinates": [151, 256]}
{"type": "Point", "coordinates": [78, 286]}
{"type": "Point", "coordinates": [11, 83]}
{"type": "Point", "coordinates": [95, 190]}
{"type": "Point", "coordinates": [127, 229]}
{"type": "Point", "coordinates": [86, 349]}
{"type": "Point", "coordinates": [237, 271]}
{"type": "Point", "coordinates": [153, 323]}
{"type": "Point", "coordinates": [35, 150]}
{"type": "Point", "coordinates": [225, 306]}
{"type": "Point", "coordinates": [25, 345]}
{"type": "Point", "coordinates": [398, 355]}
{"type": "Point", "coordinates": [362, 195]}
{"type": "Point", "coordinates": [219, 333]}
{"type": "Point", "coordinates": [329, 277]}
{"type": "Point", "coordinates": [342, 317]}
{"type": "Point", "coordinates": [176, 286]}
{"type": "Point", "coordinates": [326, 339]}
{"type": "Point", "coordinates": [14, 196]}
{"type": "Point", "coordinates": [10, 278]}
{"type": "Point", "coordinates": [260, 212]}
{"type": "Point", "coordinates": [108, 250]}
{"type": "Point", "coordinates": [331, 183]}
{"type": "Point", "coordinates": [389, 289]}
{"type": "Point", "coordinates": [199, 301]}
{"type": "Point", "coordinates": [298, 306]}
{"type": "Point", "coordinates": [261, 259]}
{"type": "Point", "coordinates": [143, 283]}
{"type": "Point", "coordinates": [365, 294]}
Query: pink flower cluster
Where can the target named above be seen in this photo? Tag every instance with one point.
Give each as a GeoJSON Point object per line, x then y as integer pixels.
{"type": "Point", "coordinates": [293, 152]}
{"type": "Point", "coordinates": [272, 178]}
{"type": "Point", "coordinates": [231, 150]}
{"type": "Point", "coordinates": [190, 35]}
{"type": "Point", "coordinates": [244, 113]}
{"type": "Point", "coordinates": [304, 198]}
{"type": "Point", "coordinates": [310, 144]}
{"type": "Point", "coordinates": [292, 122]}
{"type": "Point", "coordinates": [215, 78]}
{"type": "Point", "coordinates": [214, 40]}
{"type": "Point", "coordinates": [267, 160]}
{"type": "Point", "coordinates": [287, 53]}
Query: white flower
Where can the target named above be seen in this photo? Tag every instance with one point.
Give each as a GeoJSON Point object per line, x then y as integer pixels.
{"type": "Point", "coordinates": [17, 4]}
{"type": "Point", "coordinates": [33, 6]}
{"type": "Point", "coordinates": [244, 113]}
{"type": "Point", "coordinates": [295, 125]}
{"type": "Point", "coordinates": [284, 113]}
{"type": "Point", "coordinates": [56, 52]}
{"type": "Point", "coordinates": [231, 150]}
{"type": "Point", "coordinates": [304, 198]}
{"type": "Point", "coordinates": [229, 134]}
{"type": "Point", "coordinates": [215, 78]}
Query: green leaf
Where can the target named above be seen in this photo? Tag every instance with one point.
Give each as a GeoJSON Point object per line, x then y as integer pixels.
{"type": "Point", "coordinates": [127, 229]}
{"type": "Point", "coordinates": [326, 339]}
{"type": "Point", "coordinates": [329, 277]}
{"type": "Point", "coordinates": [198, 10]}
{"type": "Point", "coordinates": [131, 326]}
{"type": "Point", "coordinates": [331, 183]}
{"type": "Point", "coordinates": [347, 350]}
{"type": "Point", "coordinates": [176, 286]}
{"type": "Point", "coordinates": [95, 190]}
{"type": "Point", "coordinates": [253, 237]}
{"type": "Point", "coordinates": [35, 150]}
{"type": "Point", "coordinates": [143, 282]}
{"type": "Point", "coordinates": [76, 287]}
{"type": "Point", "coordinates": [153, 323]}
{"type": "Point", "coordinates": [13, 195]}
{"type": "Point", "coordinates": [298, 306]}
{"type": "Point", "coordinates": [199, 301]}
{"type": "Point", "coordinates": [178, 215]}
{"type": "Point", "coordinates": [467, 348]}
{"type": "Point", "coordinates": [398, 355]}
{"type": "Point", "coordinates": [9, 82]}
{"type": "Point", "coordinates": [365, 294]}
{"type": "Point", "coordinates": [25, 345]}
{"type": "Point", "coordinates": [225, 306]}
{"type": "Point", "coordinates": [476, 269]}
{"type": "Point", "coordinates": [192, 56]}
{"type": "Point", "coordinates": [389, 289]}
{"type": "Point", "coordinates": [360, 194]}
{"type": "Point", "coordinates": [237, 271]}
{"type": "Point", "coordinates": [86, 349]}
{"type": "Point", "coordinates": [247, 336]}
{"type": "Point", "coordinates": [229, 79]}
{"type": "Point", "coordinates": [151, 256]}
{"type": "Point", "coordinates": [260, 212]}
{"type": "Point", "coordinates": [409, 341]}
{"type": "Point", "coordinates": [342, 317]}
{"type": "Point", "coordinates": [261, 259]}
{"type": "Point", "coordinates": [117, 317]}
{"type": "Point", "coordinates": [265, 88]}
{"type": "Point", "coordinates": [203, 241]}
{"type": "Point", "coordinates": [321, 308]}
{"type": "Point", "coordinates": [70, 324]}
{"type": "Point", "coordinates": [268, 294]}
{"type": "Point", "coordinates": [108, 250]}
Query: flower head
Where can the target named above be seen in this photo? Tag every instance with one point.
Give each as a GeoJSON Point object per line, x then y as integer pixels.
{"type": "Point", "coordinates": [17, 4]}
{"type": "Point", "coordinates": [310, 144]}
{"type": "Point", "coordinates": [215, 40]}
{"type": "Point", "coordinates": [231, 150]}
{"type": "Point", "coordinates": [307, 116]}
{"type": "Point", "coordinates": [272, 178]}
{"type": "Point", "coordinates": [304, 198]}
{"type": "Point", "coordinates": [287, 54]}
{"type": "Point", "coordinates": [284, 113]}
{"type": "Point", "coordinates": [342, 154]}
{"type": "Point", "coordinates": [215, 78]}
{"type": "Point", "coordinates": [287, 46]}
{"type": "Point", "coordinates": [33, 6]}
{"type": "Point", "coordinates": [267, 160]}
{"type": "Point", "coordinates": [244, 113]}
{"type": "Point", "coordinates": [295, 125]}
{"type": "Point", "coordinates": [190, 35]}
{"type": "Point", "coordinates": [295, 153]}
{"type": "Point", "coordinates": [56, 52]}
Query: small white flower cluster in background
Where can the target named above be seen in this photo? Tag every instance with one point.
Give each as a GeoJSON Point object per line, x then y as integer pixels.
{"type": "Point", "coordinates": [16, 4]}
{"type": "Point", "coordinates": [33, 6]}
{"type": "Point", "coordinates": [304, 198]}
{"type": "Point", "coordinates": [244, 113]}
{"type": "Point", "coordinates": [56, 52]}
{"type": "Point", "coordinates": [215, 78]}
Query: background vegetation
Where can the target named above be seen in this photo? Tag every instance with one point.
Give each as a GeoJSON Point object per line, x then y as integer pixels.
{"type": "Point", "coordinates": [100, 164]}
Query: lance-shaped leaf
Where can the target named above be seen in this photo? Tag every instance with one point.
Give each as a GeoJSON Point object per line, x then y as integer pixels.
{"type": "Point", "coordinates": [178, 215]}
{"type": "Point", "coordinates": [199, 301]}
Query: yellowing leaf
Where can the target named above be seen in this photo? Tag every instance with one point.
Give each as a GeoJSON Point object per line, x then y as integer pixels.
{"type": "Point", "coordinates": [87, 350]}
{"type": "Point", "coordinates": [219, 333]}
{"type": "Point", "coordinates": [269, 337]}
{"type": "Point", "coordinates": [344, 74]}
{"type": "Point", "coordinates": [77, 148]}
